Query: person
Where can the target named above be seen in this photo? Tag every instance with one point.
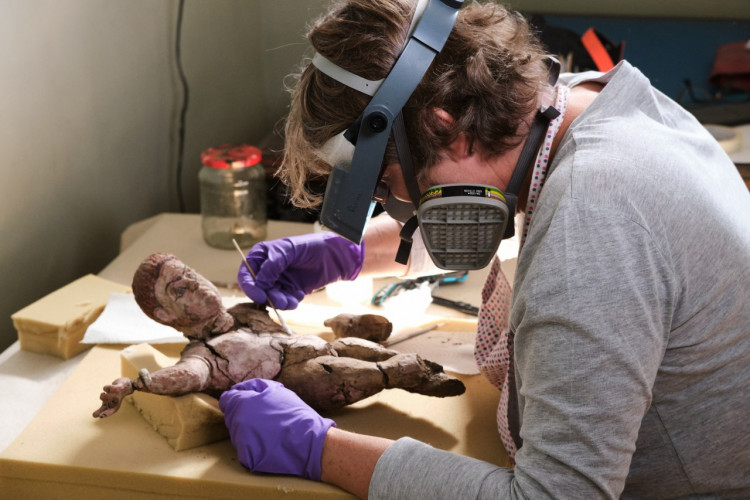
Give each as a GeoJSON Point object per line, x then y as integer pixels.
{"type": "Point", "coordinates": [625, 360]}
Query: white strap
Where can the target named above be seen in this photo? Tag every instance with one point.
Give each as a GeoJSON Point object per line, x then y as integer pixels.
{"type": "Point", "coordinates": [337, 151]}
{"type": "Point", "coordinates": [348, 78]}
{"type": "Point", "coordinates": [356, 82]}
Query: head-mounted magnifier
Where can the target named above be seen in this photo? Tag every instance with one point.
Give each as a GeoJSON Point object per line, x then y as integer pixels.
{"type": "Point", "coordinates": [461, 225]}
{"type": "Point", "coordinates": [348, 203]}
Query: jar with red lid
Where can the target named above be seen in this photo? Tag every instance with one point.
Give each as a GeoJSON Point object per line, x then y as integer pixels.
{"type": "Point", "coordinates": [233, 196]}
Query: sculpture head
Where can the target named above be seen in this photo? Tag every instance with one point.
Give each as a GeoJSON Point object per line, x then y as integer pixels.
{"type": "Point", "coordinates": [170, 292]}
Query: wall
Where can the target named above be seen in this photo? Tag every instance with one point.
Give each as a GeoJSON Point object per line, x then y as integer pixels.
{"type": "Point", "coordinates": [668, 51]}
{"type": "Point", "coordinates": [83, 122]}
{"type": "Point", "coordinates": [89, 105]}
{"type": "Point", "coordinates": [285, 24]}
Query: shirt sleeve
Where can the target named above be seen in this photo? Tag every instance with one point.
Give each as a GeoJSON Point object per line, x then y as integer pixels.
{"type": "Point", "coordinates": [410, 469]}
{"type": "Point", "coordinates": [591, 314]}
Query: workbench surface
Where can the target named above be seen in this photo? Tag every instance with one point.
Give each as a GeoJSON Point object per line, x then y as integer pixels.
{"type": "Point", "coordinates": [59, 450]}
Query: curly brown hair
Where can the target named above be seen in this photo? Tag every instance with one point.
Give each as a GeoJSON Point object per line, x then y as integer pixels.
{"type": "Point", "coordinates": [488, 77]}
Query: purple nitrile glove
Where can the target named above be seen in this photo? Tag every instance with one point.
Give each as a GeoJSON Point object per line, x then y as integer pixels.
{"type": "Point", "coordinates": [287, 269]}
{"type": "Point", "coordinates": [273, 430]}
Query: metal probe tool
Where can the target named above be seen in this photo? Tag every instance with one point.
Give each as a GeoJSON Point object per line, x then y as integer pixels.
{"type": "Point", "coordinates": [270, 303]}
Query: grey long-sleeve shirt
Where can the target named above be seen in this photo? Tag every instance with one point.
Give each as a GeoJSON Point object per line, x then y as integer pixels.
{"type": "Point", "coordinates": [631, 314]}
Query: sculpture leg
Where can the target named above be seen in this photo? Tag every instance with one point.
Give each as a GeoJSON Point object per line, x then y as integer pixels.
{"type": "Point", "coordinates": [414, 374]}
{"type": "Point", "coordinates": [352, 347]}
{"type": "Point", "coordinates": [404, 371]}
{"type": "Point", "coordinates": [330, 382]}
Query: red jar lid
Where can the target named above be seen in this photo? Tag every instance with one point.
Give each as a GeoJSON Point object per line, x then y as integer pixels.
{"type": "Point", "coordinates": [231, 156]}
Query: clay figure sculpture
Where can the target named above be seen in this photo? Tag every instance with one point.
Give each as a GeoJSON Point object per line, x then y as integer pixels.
{"type": "Point", "coordinates": [227, 346]}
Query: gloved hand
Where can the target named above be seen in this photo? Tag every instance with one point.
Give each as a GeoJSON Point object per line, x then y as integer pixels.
{"type": "Point", "coordinates": [287, 269]}
{"type": "Point", "coordinates": [273, 430]}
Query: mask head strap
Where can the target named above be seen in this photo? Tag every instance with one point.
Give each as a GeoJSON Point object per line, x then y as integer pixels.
{"type": "Point", "coordinates": [530, 149]}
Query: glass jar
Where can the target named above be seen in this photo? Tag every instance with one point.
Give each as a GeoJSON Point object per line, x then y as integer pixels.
{"type": "Point", "coordinates": [233, 196]}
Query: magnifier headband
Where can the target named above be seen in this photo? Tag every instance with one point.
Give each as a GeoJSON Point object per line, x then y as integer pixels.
{"type": "Point", "coordinates": [348, 204]}
{"type": "Point", "coordinates": [337, 151]}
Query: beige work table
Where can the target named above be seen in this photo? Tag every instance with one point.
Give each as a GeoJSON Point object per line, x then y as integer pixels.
{"type": "Point", "coordinates": [64, 452]}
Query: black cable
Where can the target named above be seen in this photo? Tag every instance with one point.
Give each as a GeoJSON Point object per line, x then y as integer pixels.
{"type": "Point", "coordinates": [183, 111]}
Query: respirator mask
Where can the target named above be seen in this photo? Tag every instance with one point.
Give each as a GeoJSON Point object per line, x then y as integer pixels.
{"type": "Point", "coordinates": [461, 225]}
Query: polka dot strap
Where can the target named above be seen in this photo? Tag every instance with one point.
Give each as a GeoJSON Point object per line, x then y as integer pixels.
{"type": "Point", "coordinates": [539, 174]}
{"type": "Point", "coordinates": [494, 346]}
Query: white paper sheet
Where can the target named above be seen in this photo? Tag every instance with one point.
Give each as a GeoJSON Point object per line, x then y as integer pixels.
{"type": "Point", "coordinates": [123, 322]}
{"type": "Point", "coordinates": [453, 350]}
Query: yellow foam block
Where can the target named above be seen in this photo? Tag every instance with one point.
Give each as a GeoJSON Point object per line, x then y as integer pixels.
{"type": "Point", "coordinates": [56, 323]}
{"type": "Point", "coordinates": [184, 421]}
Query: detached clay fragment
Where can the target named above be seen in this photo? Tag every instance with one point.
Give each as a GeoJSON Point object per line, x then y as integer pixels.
{"type": "Point", "coordinates": [227, 346]}
{"type": "Point", "coordinates": [371, 327]}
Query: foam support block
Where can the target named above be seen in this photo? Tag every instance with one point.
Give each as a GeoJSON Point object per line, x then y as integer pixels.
{"type": "Point", "coordinates": [184, 421]}
{"type": "Point", "coordinates": [56, 323]}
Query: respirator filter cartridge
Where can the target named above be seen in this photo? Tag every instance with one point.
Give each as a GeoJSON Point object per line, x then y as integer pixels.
{"type": "Point", "coordinates": [461, 225]}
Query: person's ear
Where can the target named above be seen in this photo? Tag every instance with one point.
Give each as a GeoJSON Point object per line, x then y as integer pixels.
{"type": "Point", "coordinates": [443, 116]}
{"type": "Point", "coordinates": [460, 147]}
